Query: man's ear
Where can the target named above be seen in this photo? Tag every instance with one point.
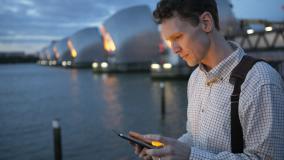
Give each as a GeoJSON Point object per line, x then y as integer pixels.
{"type": "Point", "coordinates": [206, 21]}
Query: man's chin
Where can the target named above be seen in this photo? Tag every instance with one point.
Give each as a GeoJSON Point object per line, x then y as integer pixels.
{"type": "Point", "coordinates": [191, 64]}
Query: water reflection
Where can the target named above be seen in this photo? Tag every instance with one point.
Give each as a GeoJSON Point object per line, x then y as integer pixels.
{"type": "Point", "coordinates": [75, 87]}
{"type": "Point", "coordinates": [88, 105]}
{"type": "Point", "coordinates": [74, 75]}
{"type": "Point", "coordinates": [173, 122]}
{"type": "Point", "coordinates": [176, 108]}
{"type": "Point", "coordinates": [113, 113]}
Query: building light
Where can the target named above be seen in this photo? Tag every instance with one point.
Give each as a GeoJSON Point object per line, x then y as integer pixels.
{"type": "Point", "coordinates": [44, 62]}
{"type": "Point", "coordinates": [268, 28]}
{"type": "Point", "coordinates": [109, 44]}
{"type": "Point", "coordinates": [56, 53]}
{"type": "Point", "coordinates": [104, 64]}
{"type": "Point", "coordinates": [155, 66]}
{"type": "Point", "coordinates": [54, 62]}
{"type": "Point", "coordinates": [95, 65]}
{"type": "Point", "coordinates": [73, 53]}
{"type": "Point", "coordinates": [64, 63]}
{"type": "Point", "coordinates": [250, 31]}
{"type": "Point", "coordinates": [69, 63]}
{"type": "Point", "coordinates": [72, 49]}
{"type": "Point", "coordinates": [167, 66]}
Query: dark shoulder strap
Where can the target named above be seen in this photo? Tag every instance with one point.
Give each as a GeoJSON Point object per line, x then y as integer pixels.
{"type": "Point", "coordinates": [237, 77]}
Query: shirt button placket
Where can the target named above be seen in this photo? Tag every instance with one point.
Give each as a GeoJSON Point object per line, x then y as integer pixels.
{"type": "Point", "coordinates": [203, 122]}
{"type": "Point", "coordinates": [204, 115]}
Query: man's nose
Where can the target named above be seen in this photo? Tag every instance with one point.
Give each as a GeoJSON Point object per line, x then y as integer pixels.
{"type": "Point", "coordinates": [176, 48]}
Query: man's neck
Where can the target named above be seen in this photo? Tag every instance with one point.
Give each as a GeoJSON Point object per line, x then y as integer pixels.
{"type": "Point", "coordinates": [219, 50]}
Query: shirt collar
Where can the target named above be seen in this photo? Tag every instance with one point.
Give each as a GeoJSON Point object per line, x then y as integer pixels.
{"type": "Point", "coordinates": [225, 67]}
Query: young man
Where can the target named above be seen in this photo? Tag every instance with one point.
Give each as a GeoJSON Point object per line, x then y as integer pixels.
{"type": "Point", "coordinates": [192, 28]}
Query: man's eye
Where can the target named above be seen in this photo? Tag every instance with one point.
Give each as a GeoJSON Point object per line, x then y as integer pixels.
{"type": "Point", "coordinates": [178, 37]}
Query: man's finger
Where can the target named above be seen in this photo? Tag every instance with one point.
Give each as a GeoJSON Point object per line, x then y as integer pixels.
{"type": "Point", "coordinates": [160, 152]}
{"type": "Point", "coordinates": [143, 153]}
{"type": "Point", "coordinates": [135, 134]}
{"type": "Point", "coordinates": [155, 137]}
{"type": "Point", "coordinates": [138, 136]}
{"type": "Point", "coordinates": [137, 149]}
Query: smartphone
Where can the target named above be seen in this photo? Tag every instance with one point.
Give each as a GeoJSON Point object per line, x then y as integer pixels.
{"type": "Point", "coordinates": [135, 141]}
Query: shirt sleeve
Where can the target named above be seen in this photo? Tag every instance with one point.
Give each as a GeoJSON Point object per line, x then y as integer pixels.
{"type": "Point", "coordinates": [263, 128]}
{"type": "Point", "coordinates": [185, 138]}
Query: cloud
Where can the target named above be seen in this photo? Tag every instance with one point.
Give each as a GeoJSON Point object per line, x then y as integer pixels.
{"type": "Point", "coordinates": [33, 13]}
{"type": "Point", "coordinates": [9, 9]}
{"type": "Point", "coordinates": [243, 9]}
{"type": "Point", "coordinates": [29, 37]}
{"type": "Point", "coordinates": [75, 24]}
{"type": "Point", "coordinates": [27, 47]}
{"type": "Point", "coordinates": [27, 2]}
{"type": "Point", "coordinates": [40, 21]}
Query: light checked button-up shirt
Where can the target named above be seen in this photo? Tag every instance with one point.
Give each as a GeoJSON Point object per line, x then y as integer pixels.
{"type": "Point", "coordinates": [261, 111]}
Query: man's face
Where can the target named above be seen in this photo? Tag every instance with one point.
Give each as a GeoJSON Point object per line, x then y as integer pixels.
{"type": "Point", "coordinates": [190, 43]}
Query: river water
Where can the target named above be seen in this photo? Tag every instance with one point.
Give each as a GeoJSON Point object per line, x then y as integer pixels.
{"type": "Point", "coordinates": [88, 106]}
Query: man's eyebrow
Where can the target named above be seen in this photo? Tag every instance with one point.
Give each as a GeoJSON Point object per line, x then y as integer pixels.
{"type": "Point", "coordinates": [173, 36]}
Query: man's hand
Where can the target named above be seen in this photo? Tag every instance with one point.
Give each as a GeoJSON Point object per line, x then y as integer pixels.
{"type": "Point", "coordinates": [138, 149]}
{"type": "Point", "coordinates": [173, 149]}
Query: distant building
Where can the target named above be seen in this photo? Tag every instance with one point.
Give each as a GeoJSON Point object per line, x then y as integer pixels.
{"type": "Point", "coordinates": [86, 47]}
{"type": "Point", "coordinates": [133, 38]}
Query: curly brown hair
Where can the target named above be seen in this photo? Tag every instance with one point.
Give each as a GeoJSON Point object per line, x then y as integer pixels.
{"type": "Point", "coordinates": [186, 9]}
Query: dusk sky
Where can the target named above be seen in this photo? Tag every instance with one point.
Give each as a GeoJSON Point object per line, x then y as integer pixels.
{"type": "Point", "coordinates": [29, 25]}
